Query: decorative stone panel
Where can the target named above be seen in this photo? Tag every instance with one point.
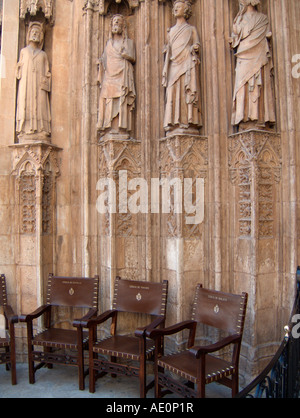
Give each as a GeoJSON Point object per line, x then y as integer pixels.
{"type": "Point", "coordinates": [255, 169]}
{"type": "Point", "coordinates": [183, 156]}
{"type": "Point", "coordinates": [36, 169]}
{"type": "Point", "coordinates": [115, 156]}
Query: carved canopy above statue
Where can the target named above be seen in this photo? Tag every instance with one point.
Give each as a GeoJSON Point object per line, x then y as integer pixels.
{"type": "Point", "coordinates": [103, 5]}
{"type": "Point", "coordinates": [34, 6]}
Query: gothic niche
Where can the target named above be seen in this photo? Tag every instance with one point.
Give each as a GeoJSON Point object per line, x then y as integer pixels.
{"type": "Point", "coordinates": [117, 6]}
{"type": "Point", "coordinates": [116, 81]}
{"type": "Point", "coordinates": [253, 98]}
{"type": "Point", "coordinates": [33, 7]}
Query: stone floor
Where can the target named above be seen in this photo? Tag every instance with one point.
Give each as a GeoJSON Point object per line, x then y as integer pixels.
{"type": "Point", "coordinates": [61, 382]}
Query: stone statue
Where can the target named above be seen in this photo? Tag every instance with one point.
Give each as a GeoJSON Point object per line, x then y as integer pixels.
{"type": "Point", "coordinates": [117, 95]}
{"type": "Point", "coordinates": [181, 74]}
{"type": "Point", "coordinates": [253, 99]}
{"type": "Point", "coordinates": [33, 108]}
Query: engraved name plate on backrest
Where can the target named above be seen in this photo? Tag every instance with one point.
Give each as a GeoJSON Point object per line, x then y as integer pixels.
{"type": "Point", "coordinates": [140, 297]}
{"type": "Point", "coordinates": [76, 292]}
{"type": "Point", "coordinates": [218, 309]}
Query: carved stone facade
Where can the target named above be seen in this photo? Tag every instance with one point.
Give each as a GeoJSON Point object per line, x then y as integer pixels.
{"type": "Point", "coordinates": [212, 201]}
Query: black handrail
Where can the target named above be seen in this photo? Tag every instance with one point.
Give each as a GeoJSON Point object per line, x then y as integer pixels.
{"type": "Point", "coordinates": [281, 377]}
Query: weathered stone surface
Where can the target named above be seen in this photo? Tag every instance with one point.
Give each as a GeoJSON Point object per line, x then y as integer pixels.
{"type": "Point", "coordinates": [248, 239]}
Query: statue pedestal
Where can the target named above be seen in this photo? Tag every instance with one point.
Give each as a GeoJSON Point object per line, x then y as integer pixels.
{"type": "Point", "coordinates": [113, 136]}
{"type": "Point", "coordinates": [35, 137]}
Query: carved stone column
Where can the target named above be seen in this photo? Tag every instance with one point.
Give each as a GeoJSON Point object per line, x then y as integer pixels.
{"type": "Point", "coordinates": [35, 168]}
{"type": "Point", "coordinates": [255, 173]}
{"type": "Point", "coordinates": [120, 229]}
{"type": "Point", "coordinates": [184, 166]}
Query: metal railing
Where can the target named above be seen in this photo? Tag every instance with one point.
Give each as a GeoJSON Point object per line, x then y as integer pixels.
{"type": "Point", "coordinates": [281, 377]}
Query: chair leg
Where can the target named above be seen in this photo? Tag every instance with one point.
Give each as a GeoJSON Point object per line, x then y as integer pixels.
{"type": "Point", "coordinates": [13, 373]}
{"type": "Point", "coordinates": [31, 368]}
{"type": "Point", "coordinates": [81, 371]}
{"type": "Point", "coordinates": [13, 357]}
{"type": "Point", "coordinates": [235, 385]}
{"type": "Point", "coordinates": [92, 372]}
{"type": "Point", "coordinates": [92, 379]}
{"type": "Point", "coordinates": [92, 356]}
{"type": "Point", "coordinates": [201, 390]}
{"type": "Point", "coordinates": [201, 377]}
{"type": "Point", "coordinates": [30, 350]}
{"type": "Point", "coordinates": [80, 358]}
{"type": "Point", "coordinates": [142, 373]}
{"type": "Point", "coordinates": [142, 370]}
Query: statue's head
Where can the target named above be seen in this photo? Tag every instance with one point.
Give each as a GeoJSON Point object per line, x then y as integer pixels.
{"type": "Point", "coordinates": [36, 33]}
{"type": "Point", "coordinates": [118, 26]}
{"type": "Point", "coordinates": [182, 8]}
{"type": "Point", "coordinates": [246, 3]}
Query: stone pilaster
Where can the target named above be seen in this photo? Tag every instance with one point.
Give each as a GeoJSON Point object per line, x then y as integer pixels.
{"type": "Point", "coordinates": [35, 169]}
{"type": "Point", "coordinates": [183, 169]}
{"type": "Point", "coordinates": [255, 173]}
{"type": "Point", "coordinates": [121, 230]}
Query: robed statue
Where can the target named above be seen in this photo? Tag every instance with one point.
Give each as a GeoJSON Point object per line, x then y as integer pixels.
{"type": "Point", "coordinates": [117, 94]}
{"type": "Point", "coordinates": [181, 74]}
{"type": "Point", "coordinates": [33, 118]}
{"type": "Point", "coordinates": [253, 98]}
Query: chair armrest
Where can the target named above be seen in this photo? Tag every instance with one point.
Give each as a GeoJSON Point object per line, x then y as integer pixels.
{"type": "Point", "coordinates": [100, 318]}
{"type": "Point", "coordinates": [35, 314]}
{"type": "Point", "coordinates": [82, 322]}
{"type": "Point", "coordinates": [141, 332]}
{"type": "Point", "coordinates": [200, 350]}
{"type": "Point", "coordinates": [154, 333]}
{"type": "Point", "coordinates": [10, 315]}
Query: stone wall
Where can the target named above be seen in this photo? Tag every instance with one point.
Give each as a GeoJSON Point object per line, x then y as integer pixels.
{"type": "Point", "coordinates": [248, 239]}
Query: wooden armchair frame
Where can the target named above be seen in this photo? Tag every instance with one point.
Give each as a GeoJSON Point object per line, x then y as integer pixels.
{"type": "Point", "coordinates": [197, 365]}
{"type": "Point", "coordinates": [75, 292]}
{"type": "Point", "coordinates": [7, 341]}
{"type": "Point", "coordinates": [134, 297]}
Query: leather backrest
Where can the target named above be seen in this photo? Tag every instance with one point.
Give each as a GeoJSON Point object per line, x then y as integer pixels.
{"type": "Point", "coordinates": [3, 295]}
{"type": "Point", "coordinates": [80, 292]}
{"type": "Point", "coordinates": [140, 297]}
{"type": "Point", "coordinates": [221, 310]}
